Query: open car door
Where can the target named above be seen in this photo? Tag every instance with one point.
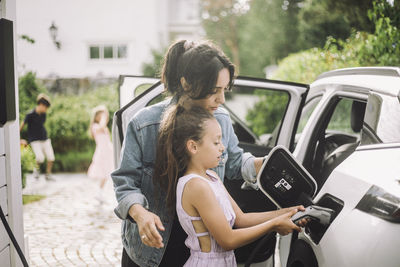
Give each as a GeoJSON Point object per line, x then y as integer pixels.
{"type": "Point", "coordinates": [264, 114]}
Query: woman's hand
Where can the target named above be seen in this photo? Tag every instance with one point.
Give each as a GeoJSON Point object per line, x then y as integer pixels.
{"type": "Point", "coordinates": [148, 223]}
{"type": "Point", "coordinates": [284, 224]}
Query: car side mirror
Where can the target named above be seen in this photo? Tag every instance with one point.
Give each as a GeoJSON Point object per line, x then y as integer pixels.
{"type": "Point", "coordinates": [285, 181]}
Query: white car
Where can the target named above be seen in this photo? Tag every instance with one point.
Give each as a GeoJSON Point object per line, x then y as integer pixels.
{"type": "Point", "coordinates": [352, 162]}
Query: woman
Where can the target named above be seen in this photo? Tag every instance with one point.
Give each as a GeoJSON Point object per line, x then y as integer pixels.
{"type": "Point", "coordinates": [196, 75]}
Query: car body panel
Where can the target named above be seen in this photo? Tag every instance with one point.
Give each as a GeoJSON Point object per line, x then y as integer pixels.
{"type": "Point", "coordinates": [350, 181]}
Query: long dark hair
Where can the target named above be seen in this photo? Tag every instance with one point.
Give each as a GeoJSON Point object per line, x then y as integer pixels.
{"type": "Point", "coordinates": [177, 127]}
{"type": "Point", "coordinates": [199, 64]}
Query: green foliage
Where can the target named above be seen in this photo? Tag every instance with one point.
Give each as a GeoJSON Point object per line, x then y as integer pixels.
{"type": "Point", "coordinates": [153, 68]}
{"type": "Point", "coordinates": [67, 121]}
{"type": "Point", "coordinates": [74, 161]}
{"type": "Point", "coordinates": [267, 34]}
{"type": "Point", "coordinates": [26, 199]}
{"type": "Point", "coordinates": [360, 49]}
{"type": "Point", "coordinates": [67, 126]}
{"type": "Point", "coordinates": [383, 47]}
{"type": "Point", "coordinates": [29, 89]}
{"type": "Point", "coordinates": [254, 34]}
{"type": "Point", "coordinates": [27, 38]}
{"type": "Point", "coordinates": [267, 112]}
{"type": "Point", "coordinates": [258, 33]}
{"type": "Point", "coordinates": [28, 162]}
{"type": "Point", "coordinates": [305, 66]}
{"type": "Point", "coordinates": [319, 19]}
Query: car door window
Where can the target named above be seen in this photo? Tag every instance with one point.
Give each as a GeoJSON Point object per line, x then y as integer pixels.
{"type": "Point", "coordinates": [341, 118]}
{"type": "Point", "coordinates": [336, 136]}
{"type": "Point", "coordinates": [258, 112]}
{"type": "Point", "coordinates": [308, 109]}
{"type": "Point", "coordinates": [140, 89]}
{"type": "Point", "coordinates": [158, 99]}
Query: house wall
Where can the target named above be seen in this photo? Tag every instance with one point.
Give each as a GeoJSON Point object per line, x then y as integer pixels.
{"type": "Point", "coordinates": [141, 25]}
{"type": "Point", "coordinates": [137, 24]}
{"type": "Point", "coordinates": [10, 170]}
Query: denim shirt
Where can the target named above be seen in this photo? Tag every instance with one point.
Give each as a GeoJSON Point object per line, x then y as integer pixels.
{"type": "Point", "coordinates": [133, 181]}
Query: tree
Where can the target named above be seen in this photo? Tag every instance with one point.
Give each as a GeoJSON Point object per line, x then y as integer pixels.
{"type": "Point", "coordinates": [29, 89]}
{"type": "Point", "coordinates": [268, 33]}
{"type": "Point", "coordinates": [153, 68]}
{"type": "Point", "coordinates": [220, 20]}
{"type": "Point", "coordinates": [319, 19]}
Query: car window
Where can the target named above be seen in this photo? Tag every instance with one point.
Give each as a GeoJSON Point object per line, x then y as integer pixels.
{"type": "Point", "coordinates": [335, 136]}
{"type": "Point", "coordinates": [341, 117]}
{"type": "Point", "coordinates": [260, 110]}
{"type": "Point", "coordinates": [158, 99]}
{"type": "Point", "coordinates": [141, 88]}
{"type": "Point", "coordinates": [306, 112]}
{"type": "Point", "coordinates": [381, 121]}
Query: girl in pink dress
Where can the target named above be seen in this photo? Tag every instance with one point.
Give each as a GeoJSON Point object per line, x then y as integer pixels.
{"type": "Point", "coordinates": [189, 145]}
{"type": "Point", "coordinates": [102, 162]}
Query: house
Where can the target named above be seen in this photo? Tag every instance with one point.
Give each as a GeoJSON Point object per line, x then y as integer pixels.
{"type": "Point", "coordinates": [77, 39]}
{"type": "Point", "coordinates": [10, 167]}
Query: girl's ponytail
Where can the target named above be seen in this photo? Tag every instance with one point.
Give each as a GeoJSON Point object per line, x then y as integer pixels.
{"type": "Point", "coordinates": [166, 164]}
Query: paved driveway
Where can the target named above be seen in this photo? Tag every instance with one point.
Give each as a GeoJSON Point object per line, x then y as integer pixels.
{"type": "Point", "coordinates": [70, 227]}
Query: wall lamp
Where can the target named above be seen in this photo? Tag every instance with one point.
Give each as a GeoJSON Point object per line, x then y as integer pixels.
{"type": "Point", "coordinates": [53, 34]}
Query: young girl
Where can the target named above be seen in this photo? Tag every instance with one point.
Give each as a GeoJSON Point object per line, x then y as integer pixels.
{"type": "Point", "coordinates": [189, 145]}
{"type": "Point", "coordinates": [102, 161]}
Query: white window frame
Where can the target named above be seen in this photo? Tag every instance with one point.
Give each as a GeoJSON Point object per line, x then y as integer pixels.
{"type": "Point", "coordinates": [101, 47]}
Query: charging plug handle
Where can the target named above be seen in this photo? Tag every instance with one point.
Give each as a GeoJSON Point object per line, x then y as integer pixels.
{"type": "Point", "coordinates": [314, 212]}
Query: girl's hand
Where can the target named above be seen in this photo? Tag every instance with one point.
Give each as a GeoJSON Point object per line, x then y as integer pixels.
{"type": "Point", "coordinates": [303, 222]}
{"type": "Point", "coordinates": [284, 224]}
{"type": "Point", "coordinates": [148, 223]}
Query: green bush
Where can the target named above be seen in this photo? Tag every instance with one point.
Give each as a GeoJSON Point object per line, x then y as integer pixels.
{"type": "Point", "coordinates": [67, 125]}
{"type": "Point", "coordinates": [67, 121]}
{"type": "Point", "coordinates": [28, 162]}
{"type": "Point", "coordinates": [29, 89]}
{"type": "Point", "coordinates": [73, 161]}
{"type": "Point", "coordinates": [267, 112]}
{"type": "Point", "coordinates": [305, 66]}
{"type": "Point", "coordinates": [382, 48]}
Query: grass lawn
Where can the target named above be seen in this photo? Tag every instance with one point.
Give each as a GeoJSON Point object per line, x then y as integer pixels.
{"type": "Point", "coordinates": [26, 199]}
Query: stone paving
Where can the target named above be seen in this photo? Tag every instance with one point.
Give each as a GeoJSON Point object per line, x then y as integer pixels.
{"type": "Point", "coordinates": [70, 227]}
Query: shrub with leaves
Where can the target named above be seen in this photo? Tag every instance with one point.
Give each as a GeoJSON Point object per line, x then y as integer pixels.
{"type": "Point", "coordinates": [67, 125]}
{"type": "Point", "coordinates": [382, 48]}
{"type": "Point", "coordinates": [28, 162]}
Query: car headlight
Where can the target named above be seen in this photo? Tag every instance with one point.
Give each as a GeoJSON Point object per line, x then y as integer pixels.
{"type": "Point", "coordinates": [380, 203]}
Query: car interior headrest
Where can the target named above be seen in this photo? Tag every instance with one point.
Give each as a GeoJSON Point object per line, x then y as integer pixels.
{"type": "Point", "coordinates": [357, 115]}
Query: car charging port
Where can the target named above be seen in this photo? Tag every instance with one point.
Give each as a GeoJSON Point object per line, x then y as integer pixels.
{"type": "Point", "coordinates": [315, 229]}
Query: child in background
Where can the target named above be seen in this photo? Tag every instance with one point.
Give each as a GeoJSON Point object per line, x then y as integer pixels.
{"type": "Point", "coordinates": [102, 161]}
{"type": "Point", "coordinates": [189, 145]}
{"type": "Point", "coordinates": [37, 135]}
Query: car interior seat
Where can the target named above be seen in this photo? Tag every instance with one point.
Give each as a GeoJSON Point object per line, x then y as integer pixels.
{"type": "Point", "coordinates": [338, 155]}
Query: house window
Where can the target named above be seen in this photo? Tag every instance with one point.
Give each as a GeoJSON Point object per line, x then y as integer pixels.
{"type": "Point", "coordinates": [102, 51]}
{"type": "Point", "coordinates": [94, 52]}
